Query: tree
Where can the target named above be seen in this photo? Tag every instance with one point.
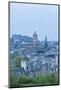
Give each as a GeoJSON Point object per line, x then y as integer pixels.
{"type": "Point", "coordinates": [17, 61]}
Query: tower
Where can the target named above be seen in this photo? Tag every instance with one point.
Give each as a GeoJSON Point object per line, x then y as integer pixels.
{"type": "Point", "coordinates": [35, 39]}
{"type": "Point", "coordinates": [46, 43]}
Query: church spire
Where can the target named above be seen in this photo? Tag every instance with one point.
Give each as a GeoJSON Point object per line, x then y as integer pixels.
{"type": "Point", "coordinates": [46, 43]}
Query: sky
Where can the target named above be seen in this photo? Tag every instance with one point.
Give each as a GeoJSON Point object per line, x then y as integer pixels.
{"type": "Point", "coordinates": [25, 19]}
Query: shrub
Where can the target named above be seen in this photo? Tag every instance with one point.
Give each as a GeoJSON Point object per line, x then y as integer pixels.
{"type": "Point", "coordinates": [18, 81]}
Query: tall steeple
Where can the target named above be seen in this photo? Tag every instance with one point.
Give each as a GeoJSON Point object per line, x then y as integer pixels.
{"type": "Point", "coordinates": [46, 43]}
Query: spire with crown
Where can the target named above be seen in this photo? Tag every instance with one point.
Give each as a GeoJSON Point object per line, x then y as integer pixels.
{"type": "Point", "coordinates": [35, 38]}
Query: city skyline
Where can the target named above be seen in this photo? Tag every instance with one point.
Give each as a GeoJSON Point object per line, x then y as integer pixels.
{"type": "Point", "coordinates": [32, 37]}
{"type": "Point", "coordinates": [25, 19]}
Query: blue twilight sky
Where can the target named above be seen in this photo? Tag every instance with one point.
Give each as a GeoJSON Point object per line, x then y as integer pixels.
{"type": "Point", "coordinates": [25, 19]}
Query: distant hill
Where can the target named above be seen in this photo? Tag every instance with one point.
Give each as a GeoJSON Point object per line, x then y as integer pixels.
{"type": "Point", "coordinates": [26, 39]}
{"type": "Point", "coordinates": [22, 39]}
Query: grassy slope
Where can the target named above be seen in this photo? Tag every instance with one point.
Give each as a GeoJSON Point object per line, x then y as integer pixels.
{"type": "Point", "coordinates": [19, 81]}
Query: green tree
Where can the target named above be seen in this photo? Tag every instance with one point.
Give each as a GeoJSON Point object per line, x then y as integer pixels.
{"type": "Point", "coordinates": [17, 61]}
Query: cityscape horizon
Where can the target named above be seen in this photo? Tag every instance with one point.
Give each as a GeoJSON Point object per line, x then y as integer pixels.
{"type": "Point", "coordinates": [31, 36]}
